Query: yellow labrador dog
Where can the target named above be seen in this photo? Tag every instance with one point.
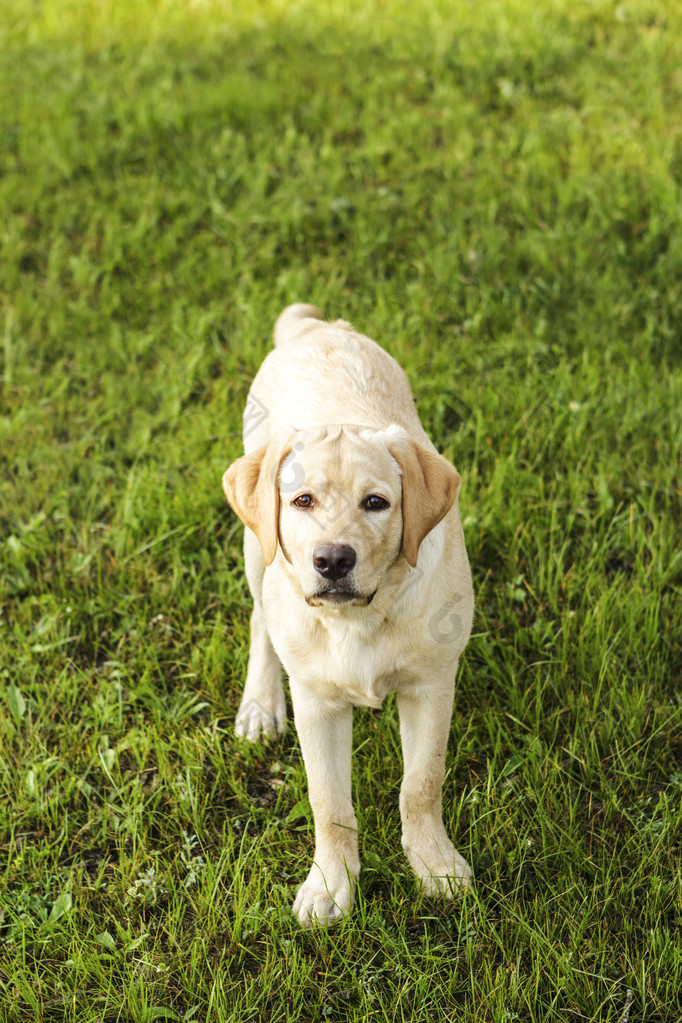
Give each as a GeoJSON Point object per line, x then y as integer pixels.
{"type": "Point", "coordinates": [361, 586]}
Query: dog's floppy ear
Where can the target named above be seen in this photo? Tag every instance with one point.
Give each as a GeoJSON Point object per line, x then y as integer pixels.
{"type": "Point", "coordinates": [430, 488]}
{"type": "Point", "coordinates": [251, 487]}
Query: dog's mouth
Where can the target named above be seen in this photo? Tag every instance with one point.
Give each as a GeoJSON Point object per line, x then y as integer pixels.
{"type": "Point", "coordinates": [339, 595]}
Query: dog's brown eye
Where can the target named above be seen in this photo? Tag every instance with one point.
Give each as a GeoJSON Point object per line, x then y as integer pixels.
{"type": "Point", "coordinates": [304, 501]}
{"type": "Point", "coordinates": [375, 503]}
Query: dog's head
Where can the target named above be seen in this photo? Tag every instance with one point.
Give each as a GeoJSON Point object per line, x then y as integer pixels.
{"type": "Point", "coordinates": [342, 503]}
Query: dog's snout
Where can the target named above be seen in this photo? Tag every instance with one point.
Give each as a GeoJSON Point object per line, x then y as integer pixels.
{"type": "Point", "coordinates": [334, 561]}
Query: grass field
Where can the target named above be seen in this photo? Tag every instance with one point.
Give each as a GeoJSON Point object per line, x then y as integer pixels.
{"type": "Point", "coordinates": [493, 191]}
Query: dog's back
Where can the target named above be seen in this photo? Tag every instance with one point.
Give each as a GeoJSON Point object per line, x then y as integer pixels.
{"type": "Point", "coordinates": [321, 373]}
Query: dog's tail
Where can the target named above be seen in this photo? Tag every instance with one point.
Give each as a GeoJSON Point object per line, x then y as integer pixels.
{"type": "Point", "coordinates": [294, 321]}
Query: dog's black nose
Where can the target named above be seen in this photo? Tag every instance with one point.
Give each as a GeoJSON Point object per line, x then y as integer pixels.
{"type": "Point", "coordinates": [334, 561]}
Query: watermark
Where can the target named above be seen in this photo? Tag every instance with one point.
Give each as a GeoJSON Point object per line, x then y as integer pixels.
{"type": "Point", "coordinates": [446, 624]}
{"type": "Point", "coordinates": [413, 577]}
{"type": "Point", "coordinates": [255, 414]}
{"type": "Point", "coordinates": [252, 712]}
{"type": "Point", "coordinates": [331, 505]}
{"type": "Point", "coordinates": [291, 472]}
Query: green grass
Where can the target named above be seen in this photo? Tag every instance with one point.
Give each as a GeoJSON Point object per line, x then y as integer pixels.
{"type": "Point", "coordinates": [493, 191]}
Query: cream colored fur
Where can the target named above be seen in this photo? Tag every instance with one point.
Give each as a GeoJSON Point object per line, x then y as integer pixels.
{"type": "Point", "coordinates": [331, 419]}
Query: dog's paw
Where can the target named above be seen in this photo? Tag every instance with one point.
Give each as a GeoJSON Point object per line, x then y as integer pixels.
{"type": "Point", "coordinates": [320, 902]}
{"type": "Point", "coordinates": [438, 865]}
{"type": "Point", "coordinates": [260, 719]}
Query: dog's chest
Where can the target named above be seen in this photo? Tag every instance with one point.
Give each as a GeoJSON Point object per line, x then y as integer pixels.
{"type": "Point", "coordinates": [342, 662]}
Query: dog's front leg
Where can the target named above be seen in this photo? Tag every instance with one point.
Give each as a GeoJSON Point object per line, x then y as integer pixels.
{"type": "Point", "coordinates": [263, 711]}
{"type": "Point", "coordinates": [325, 731]}
{"type": "Point", "coordinates": [424, 730]}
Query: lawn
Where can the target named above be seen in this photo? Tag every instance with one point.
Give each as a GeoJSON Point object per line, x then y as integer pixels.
{"type": "Point", "coordinates": [493, 191]}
